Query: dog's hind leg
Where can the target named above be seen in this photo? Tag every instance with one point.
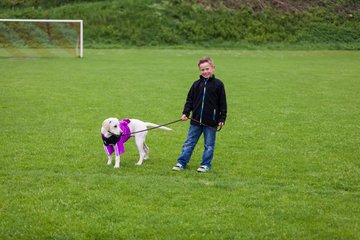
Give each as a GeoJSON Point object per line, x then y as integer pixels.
{"type": "Point", "coordinates": [146, 149]}
{"type": "Point", "coordinates": [140, 146]}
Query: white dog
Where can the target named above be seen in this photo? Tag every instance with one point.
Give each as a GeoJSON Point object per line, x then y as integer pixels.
{"type": "Point", "coordinates": [115, 133]}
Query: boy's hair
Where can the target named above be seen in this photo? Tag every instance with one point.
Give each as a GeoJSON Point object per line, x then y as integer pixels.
{"type": "Point", "coordinates": [206, 59]}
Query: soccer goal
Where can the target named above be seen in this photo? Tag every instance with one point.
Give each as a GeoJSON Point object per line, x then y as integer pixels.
{"type": "Point", "coordinates": [41, 38]}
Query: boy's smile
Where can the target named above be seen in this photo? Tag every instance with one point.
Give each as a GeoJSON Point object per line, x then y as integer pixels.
{"type": "Point", "coordinates": [206, 69]}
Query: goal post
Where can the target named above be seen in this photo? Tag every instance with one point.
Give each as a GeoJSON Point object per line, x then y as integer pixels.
{"type": "Point", "coordinates": [42, 36]}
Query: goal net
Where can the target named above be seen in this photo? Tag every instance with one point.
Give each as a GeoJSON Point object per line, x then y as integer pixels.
{"type": "Point", "coordinates": [41, 38]}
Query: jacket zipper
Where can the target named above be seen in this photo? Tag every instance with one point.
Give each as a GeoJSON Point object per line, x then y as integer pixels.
{"type": "Point", "coordinates": [203, 100]}
{"type": "Point", "coordinates": [214, 114]}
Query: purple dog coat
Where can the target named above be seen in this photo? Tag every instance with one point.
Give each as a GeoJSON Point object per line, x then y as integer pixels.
{"type": "Point", "coordinates": [115, 143]}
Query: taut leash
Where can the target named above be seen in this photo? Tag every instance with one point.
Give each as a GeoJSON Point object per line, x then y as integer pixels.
{"type": "Point", "coordinates": [217, 128]}
{"type": "Point", "coordinates": [148, 129]}
{"type": "Point", "coordinates": [172, 122]}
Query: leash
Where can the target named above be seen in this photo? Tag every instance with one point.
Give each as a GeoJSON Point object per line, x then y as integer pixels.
{"type": "Point", "coordinates": [148, 129]}
{"type": "Point", "coordinates": [172, 122]}
{"type": "Point", "coordinates": [217, 128]}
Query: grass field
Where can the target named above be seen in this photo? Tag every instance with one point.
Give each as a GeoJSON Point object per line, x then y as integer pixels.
{"type": "Point", "coordinates": [286, 164]}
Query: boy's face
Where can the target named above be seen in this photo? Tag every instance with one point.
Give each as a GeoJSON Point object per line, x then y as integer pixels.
{"type": "Point", "coordinates": [206, 69]}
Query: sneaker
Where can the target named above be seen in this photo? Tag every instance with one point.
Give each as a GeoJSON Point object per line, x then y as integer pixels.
{"type": "Point", "coordinates": [178, 167]}
{"type": "Point", "coordinates": [203, 169]}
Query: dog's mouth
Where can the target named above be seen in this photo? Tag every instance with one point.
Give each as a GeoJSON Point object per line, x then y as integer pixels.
{"type": "Point", "coordinates": [116, 134]}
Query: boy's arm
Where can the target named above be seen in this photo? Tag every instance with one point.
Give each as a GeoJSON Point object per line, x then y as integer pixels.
{"type": "Point", "coordinates": [189, 102]}
{"type": "Point", "coordinates": [223, 106]}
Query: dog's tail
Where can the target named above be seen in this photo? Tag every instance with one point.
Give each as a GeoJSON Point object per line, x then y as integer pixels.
{"type": "Point", "coordinates": [149, 124]}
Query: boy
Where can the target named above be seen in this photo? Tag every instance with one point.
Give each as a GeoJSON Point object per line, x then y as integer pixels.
{"type": "Point", "coordinates": [207, 102]}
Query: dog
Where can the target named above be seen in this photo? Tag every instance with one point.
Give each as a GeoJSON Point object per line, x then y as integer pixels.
{"type": "Point", "coordinates": [115, 133]}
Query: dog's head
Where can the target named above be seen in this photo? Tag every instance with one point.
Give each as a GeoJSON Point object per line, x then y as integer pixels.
{"type": "Point", "coordinates": [111, 126]}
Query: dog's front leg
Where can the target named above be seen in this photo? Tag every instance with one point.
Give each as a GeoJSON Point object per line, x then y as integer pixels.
{"type": "Point", "coordinates": [109, 160]}
{"type": "Point", "coordinates": [117, 162]}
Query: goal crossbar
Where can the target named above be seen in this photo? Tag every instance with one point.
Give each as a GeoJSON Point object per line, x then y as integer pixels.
{"type": "Point", "coordinates": [53, 20]}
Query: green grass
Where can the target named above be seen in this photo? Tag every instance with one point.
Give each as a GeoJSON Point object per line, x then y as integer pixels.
{"type": "Point", "coordinates": [286, 164]}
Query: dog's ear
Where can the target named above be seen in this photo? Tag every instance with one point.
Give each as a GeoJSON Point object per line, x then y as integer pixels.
{"type": "Point", "coordinates": [106, 125]}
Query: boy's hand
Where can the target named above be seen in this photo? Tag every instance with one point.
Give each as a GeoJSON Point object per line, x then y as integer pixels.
{"type": "Point", "coordinates": [221, 124]}
{"type": "Point", "coordinates": [184, 117]}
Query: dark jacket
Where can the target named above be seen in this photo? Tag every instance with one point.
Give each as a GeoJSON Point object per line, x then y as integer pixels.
{"type": "Point", "coordinates": [207, 102]}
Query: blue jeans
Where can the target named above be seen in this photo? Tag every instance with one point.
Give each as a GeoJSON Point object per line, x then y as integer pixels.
{"type": "Point", "coordinates": [191, 140]}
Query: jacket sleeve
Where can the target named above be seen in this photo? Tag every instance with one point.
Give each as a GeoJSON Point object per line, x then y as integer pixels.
{"type": "Point", "coordinates": [189, 102]}
{"type": "Point", "coordinates": [223, 104]}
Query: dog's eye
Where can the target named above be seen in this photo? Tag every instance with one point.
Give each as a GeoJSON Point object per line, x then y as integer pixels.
{"type": "Point", "coordinates": [115, 126]}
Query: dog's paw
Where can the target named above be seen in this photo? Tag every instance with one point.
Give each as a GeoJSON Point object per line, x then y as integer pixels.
{"type": "Point", "coordinates": [116, 166]}
{"type": "Point", "coordinates": [138, 164]}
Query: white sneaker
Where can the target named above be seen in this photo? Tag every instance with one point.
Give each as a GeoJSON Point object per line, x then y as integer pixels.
{"type": "Point", "coordinates": [178, 167]}
{"type": "Point", "coordinates": [203, 169]}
